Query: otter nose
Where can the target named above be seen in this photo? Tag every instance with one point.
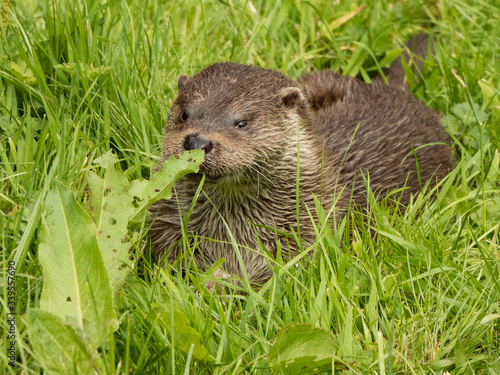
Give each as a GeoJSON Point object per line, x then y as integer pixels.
{"type": "Point", "coordinates": [196, 142]}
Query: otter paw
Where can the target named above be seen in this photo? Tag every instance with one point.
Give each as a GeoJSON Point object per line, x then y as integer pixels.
{"type": "Point", "coordinates": [212, 284]}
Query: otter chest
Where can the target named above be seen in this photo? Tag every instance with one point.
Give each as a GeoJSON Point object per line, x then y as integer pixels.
{"type": "Point", "coordinates": [223, 220]}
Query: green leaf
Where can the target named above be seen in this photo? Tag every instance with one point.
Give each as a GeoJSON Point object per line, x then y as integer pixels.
{"type": "Point", "coordinates": [301, 349]}
{"type": "Point", "coordinates": [390, 57]}
{"type": "Point", "coordinates": [115, 202]}
{"type": "Point", "coordinates": [146, 193]}
{"type": "Point", "coordinates": [58, 347]}
{"type": "Point", "coordinates": [112, 208]}
{"type": "Point", "coordinates": [7, 126]}
{"type": "Point", "coordinates": [459, 352]}
{"type": "Point", "coordinates": [346, 338]}
{"type": "Point", "coordinates": [357, 58]}
{"type": "Point", "coordinates": [76, 285]}
{"type": "Point", "coordinates": [452, 124]}
{"type": "Point", "coordinates": [490, 95]}
{"type": "Point", "coordinates": [21, 71]}
{"type": "Point", "coordinates": [372, 308]}
{"type": "Point", "coordinates": [185, 335]}
{"type": "Point", "coordinates": [465, 113]}
{"type": "Point", "coordinates": [335, 24]}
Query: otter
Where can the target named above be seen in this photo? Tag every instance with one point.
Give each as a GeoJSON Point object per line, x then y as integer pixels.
{"type": "Point", "coordinates": [258, 129]}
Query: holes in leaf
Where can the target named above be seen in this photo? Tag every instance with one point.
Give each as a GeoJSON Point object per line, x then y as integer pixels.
{"type": "Point", "coordinates": [136, 201]}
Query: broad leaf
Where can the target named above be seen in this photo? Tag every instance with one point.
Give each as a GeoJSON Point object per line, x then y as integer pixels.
{"type": "Point", "coordinates": [58, 347]}
{"type": "Point", "coordinates": [159, 187]}
{"type": "Point", "coordinates": [184, 334]}
{"type": "Point", "coordinates": [301, 349]}
{"type": "Point", "coordinates": [76, 284]}
{"type": "Point", "coordinates": [112, 208]}
{"type": "Point", "coordinates": [115, 202]}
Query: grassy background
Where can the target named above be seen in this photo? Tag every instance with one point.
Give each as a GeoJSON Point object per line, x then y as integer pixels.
{"type": "Point", "coordinates": [79, 78]}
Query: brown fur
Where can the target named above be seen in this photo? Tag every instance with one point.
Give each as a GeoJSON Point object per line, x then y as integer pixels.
{"type": "Point", "coordinates": [251, 171]}
{"type": "Point", "coordinates": [418, 45]}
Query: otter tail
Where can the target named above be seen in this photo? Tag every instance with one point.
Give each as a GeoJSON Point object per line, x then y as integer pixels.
{"type": "Point", "coordinates": [414, 55]}
{"type": "Point", "coordinates": [325, 88]}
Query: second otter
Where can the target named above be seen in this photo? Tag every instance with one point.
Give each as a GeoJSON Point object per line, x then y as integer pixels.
{"type": "Point", "coordinates": [251, 123]}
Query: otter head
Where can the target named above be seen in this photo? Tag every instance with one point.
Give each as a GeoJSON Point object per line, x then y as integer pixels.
{"type": "Point", "coordinates": [243, 117]}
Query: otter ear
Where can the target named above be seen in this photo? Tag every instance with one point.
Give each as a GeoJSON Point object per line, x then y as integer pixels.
{"type": "Point", "coordinates": [182, 80]}
{"type": "Point", "coordinates": [292, 97]}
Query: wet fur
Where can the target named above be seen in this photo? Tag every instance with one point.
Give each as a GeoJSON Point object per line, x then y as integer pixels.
{"type": "Point", "coordinates": [251, 172]}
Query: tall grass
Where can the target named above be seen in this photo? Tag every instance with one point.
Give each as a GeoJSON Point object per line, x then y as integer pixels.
{"type": "Point", "coordinates": [78, 78]}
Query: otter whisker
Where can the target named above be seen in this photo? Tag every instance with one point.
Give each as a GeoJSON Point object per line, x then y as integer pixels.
{"type": "Point", "coordinates": [261, 174]}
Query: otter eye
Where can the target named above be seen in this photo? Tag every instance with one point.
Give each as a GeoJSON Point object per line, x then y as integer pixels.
{"type": "Point", "coordinates": [241, 124]}
{"type": "Point", "coordinates": [183, 117]}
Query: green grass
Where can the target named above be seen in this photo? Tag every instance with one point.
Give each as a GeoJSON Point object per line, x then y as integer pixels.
{"type": "Point", "coordinates": [421, 296]}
